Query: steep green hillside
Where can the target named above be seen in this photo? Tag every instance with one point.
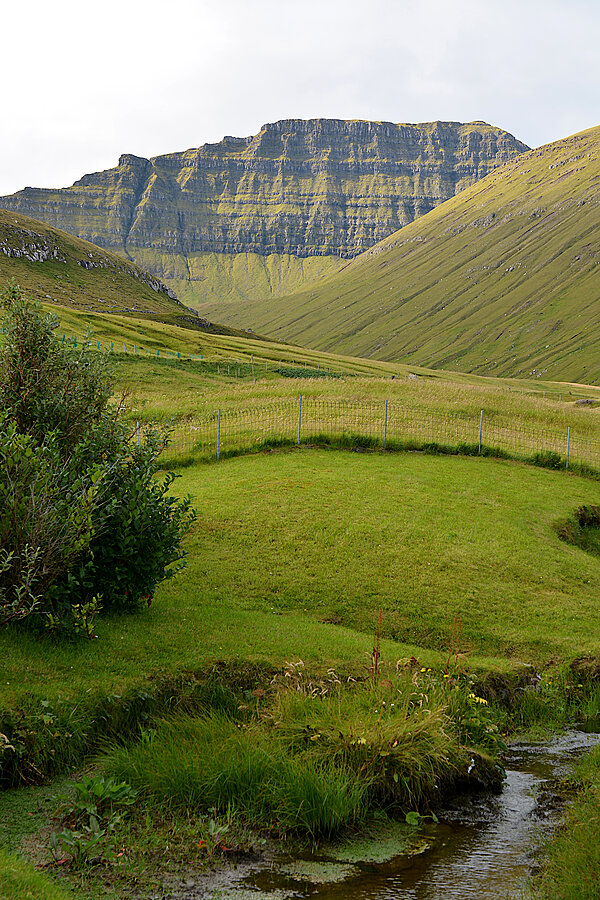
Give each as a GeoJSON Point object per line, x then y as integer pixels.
{"type": "Point", "coordinates": [296, 190]}
{"type": "Point", "coordinates": [502, 279]}
{"type": "Point", "coordinates": [56, 267]}
{"type": "Point", "coordinates": [206, 279]}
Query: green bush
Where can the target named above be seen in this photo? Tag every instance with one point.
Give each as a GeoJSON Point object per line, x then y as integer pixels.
{"type": "Point", "coordinates": [86, 521]}
{"type": "Point", "coordinates": [140, 525]}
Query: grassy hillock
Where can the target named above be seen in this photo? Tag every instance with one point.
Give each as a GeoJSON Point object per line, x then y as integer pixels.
{"type": "Point", "coordinates": [501, 279]}
{"type": "Point", "coordinates": [57, 268]}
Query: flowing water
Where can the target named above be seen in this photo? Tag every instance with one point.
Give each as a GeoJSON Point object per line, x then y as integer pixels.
{"type": "Point", "coordinates": [483, 847]}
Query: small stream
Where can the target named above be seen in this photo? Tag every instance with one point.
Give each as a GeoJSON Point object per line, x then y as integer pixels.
{"type": "Point", "coordinates": [483, 846]}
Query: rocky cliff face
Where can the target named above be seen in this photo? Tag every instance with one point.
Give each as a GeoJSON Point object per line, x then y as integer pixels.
{"type": "Point", "coordinates": [317, 187]}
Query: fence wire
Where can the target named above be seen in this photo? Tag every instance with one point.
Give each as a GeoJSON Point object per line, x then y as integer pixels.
{"type": "Point", "coordinates": [381, 424]}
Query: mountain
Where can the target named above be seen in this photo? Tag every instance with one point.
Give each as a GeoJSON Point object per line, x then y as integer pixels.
{"type": "Point", "coordinates": [262, 215]}
{"type": "Point", "coordinates": [502, 279]}
{"type": "Point", "coordinates": [51, 265]}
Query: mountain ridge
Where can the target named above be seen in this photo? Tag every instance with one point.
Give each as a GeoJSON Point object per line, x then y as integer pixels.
{"type": "Point", "coordinates": [327, 188]}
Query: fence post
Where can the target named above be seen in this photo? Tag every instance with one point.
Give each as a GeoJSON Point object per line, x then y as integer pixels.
{"type": "Point", "coordinates": [568, 445]}
{"type": "Point", "coordinates": [480, 429]}
{"type": "Point", "coordinates": [299, 418]}
{"type": "Point", "coordinates": [385, 425]}
{"type": "Point", "coordinates": [218, 434]}
{"type": "Point", "coordinates": [137, 432]}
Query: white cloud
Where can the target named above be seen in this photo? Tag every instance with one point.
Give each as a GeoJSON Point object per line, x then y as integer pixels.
{"type": "Point", "coordinates": [90, 82]}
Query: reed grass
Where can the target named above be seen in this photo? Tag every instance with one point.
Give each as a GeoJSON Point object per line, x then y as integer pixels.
{"type": "Point", "coordinates": [214, 763]}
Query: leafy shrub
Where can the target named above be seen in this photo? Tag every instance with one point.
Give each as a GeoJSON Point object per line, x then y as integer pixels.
{"type": "Point", "coordinates": [45, 386]}
{"type": "Point", "coordinates": [86, 521]}
{"type": "Point", "coordinates": [46, 520]}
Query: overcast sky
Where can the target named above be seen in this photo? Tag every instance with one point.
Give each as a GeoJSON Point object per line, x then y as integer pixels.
{"type": "Point", "coordinates": [83, 82]}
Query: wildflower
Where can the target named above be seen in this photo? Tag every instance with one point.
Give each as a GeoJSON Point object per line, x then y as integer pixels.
{"type": "Point", "coordinates": [423, 670]}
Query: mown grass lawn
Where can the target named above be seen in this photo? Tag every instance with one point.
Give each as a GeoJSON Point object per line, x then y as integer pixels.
{"type": "Point", "coordinates": [295, 554]}
{"type": "Point", "coordinates": [423, 539]}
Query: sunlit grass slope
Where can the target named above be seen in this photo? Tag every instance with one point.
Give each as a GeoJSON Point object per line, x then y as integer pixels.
{"type": "Point", "coordinates": [245, 370]}
{"type": "Point", "coordinates": [295, 554]}
{"type": "Point", "coordinates": [144, 337]}
{"type": "Point", "coordinates": [208, 280]}
{"type": "Point", "coordinates": [53, 266]}
{"type": "Point", "coordinates": [501, 279]}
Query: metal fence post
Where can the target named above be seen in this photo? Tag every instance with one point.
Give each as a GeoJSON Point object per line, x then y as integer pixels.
{"type": "Point", "coordinates": [385, 425]}
{"type": "Point", "coordinates": [218, 433]}
{"type": "Point", "coordinates": [568, 445]}
{"type": "Point", "coordinates": [480, 429]}
{"type": "Point", "coordinates": [299, 418]}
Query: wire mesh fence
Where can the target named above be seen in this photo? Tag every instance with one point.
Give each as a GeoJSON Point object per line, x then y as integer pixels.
{"type": "Point", "coordinates": [382, 424]}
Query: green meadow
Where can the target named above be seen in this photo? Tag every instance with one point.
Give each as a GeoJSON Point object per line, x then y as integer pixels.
{"type": "Point", "coordinates": [288, 543]}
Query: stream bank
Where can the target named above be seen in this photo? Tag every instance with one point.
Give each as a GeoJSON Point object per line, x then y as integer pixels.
{"type": "Point", "coordinates": [484, 846]}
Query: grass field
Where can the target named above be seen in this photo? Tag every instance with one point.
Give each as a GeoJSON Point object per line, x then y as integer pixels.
{"type": "Point", "coordinates": [423, 539]}
{"type": "Point", "coordinates": [298, 555]}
